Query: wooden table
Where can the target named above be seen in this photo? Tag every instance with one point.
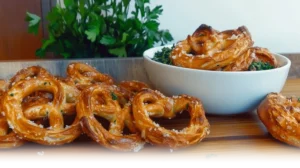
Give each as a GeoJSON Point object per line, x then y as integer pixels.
{"type": "Point", "coordinates": [239, 135]}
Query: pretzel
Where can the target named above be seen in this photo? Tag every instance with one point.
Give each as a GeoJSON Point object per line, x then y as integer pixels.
{"type": "Point", "coordinates": [253, 54]}
{"type": "Point", "coordinates": [82, 75]}
{"type": "Point", "coordinates": [21, 120]}
{"type": "Point", "coordinates": [8, 139]}
{"type": "Point", "coordinates": [133, 86]}
{"type": "Point", "coordinates": [109, 102]}
{"type": "Point", "coordinates": [209, 49]}
{"type": "Point", "coordinates": [149, 103]}
{"type": "Point", "coordinates": [281, 116]}
{"type": "Point", "coordinates": [42, 97]}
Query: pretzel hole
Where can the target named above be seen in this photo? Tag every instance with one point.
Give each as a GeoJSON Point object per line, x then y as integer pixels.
{"type": "Point", "coordinates": [69, 120]}
{"type": "Point", "coordinates": [104, 122]}
{"type": "Point", "coordinates": [149, 101]}
{"type": "Point", "coordinates": [179, 122]}
{"type": "Point", "coordinates": [37, 98]}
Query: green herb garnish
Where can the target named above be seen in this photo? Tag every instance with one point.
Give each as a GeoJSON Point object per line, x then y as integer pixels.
{"type": "Point", "coordinates": [187, 106]}
{"type": "Point", "coordinates": [299, 99]}
{"type": "Point", "coordinates": [163, 56]}
{"type": "Point", "coordinates": [114, 96]}
{"type": "Point", "coordinates": [11, 94]}
{"type": "Point", "coordinates": [209, 156]}
{"type": "Point", "coordinates": [259, 66]}
{"type": "Point", "coordinates": [100, 28]}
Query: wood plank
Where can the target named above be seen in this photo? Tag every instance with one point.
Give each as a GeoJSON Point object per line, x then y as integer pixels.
{"type": "Point", "coordinates": [15, 42]}
{"type": "Point", "coordinates": [236, 135]}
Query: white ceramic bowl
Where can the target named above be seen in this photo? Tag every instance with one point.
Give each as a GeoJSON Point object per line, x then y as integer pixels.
{"type": "Point", "coordinates": [220, 92]}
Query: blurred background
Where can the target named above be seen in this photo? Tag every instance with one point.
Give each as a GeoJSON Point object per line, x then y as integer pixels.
{"type": "Point", "coordinates": [274, 24]}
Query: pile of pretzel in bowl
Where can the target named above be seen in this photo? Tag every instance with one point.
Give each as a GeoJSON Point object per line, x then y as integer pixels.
{"type": "Point", "coordinates": [229, 50]}
{"type": "Point", "coordinates": [38, 107]}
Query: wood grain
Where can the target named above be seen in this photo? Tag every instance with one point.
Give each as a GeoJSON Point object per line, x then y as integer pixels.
{"type": "Point", "coordinates": [15, 42]}
{"type": "Point", "coordinates": [235, 139]}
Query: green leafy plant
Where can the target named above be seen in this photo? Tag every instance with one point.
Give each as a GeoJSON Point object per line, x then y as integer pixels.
{"type": "Point", "coordinates": [100, 28]}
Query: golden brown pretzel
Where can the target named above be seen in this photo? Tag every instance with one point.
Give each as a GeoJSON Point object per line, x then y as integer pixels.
{"type": "Point", "coordinates": [209, 49]}
{"type": "Point", "coordinates": [253, 54]}
{"type": "Point", "coordinates": [149, 103]}
{"type": "Point", "coordinates": [8, 139]}
{"type": "Point", "coordinates": [21, 120]}
{"type": "Point", "coordinates": [83, 75]}
{"type": "Point", "coordinates": [281, 116]}
{"type": "Point", "coordinates": [111, 103]}
{"type": "Point", "coordinates": [26, 74]}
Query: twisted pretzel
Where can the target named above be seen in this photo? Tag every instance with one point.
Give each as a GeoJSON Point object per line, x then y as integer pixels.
{"type": "Point", "coordinates": [281, 116]}
{"type": "Point", "coordinates": [8, 139]}
{"type": "Point", "coordinates": [82, 75]}
{"type": "Point", "coordinates": [149, 103]}
{"type": "Point", "coordinates": [111, 103]}
{"type": "Point", "coordinates": [209, 49]}
{"type": "Point", "coordinates": [21, 120]}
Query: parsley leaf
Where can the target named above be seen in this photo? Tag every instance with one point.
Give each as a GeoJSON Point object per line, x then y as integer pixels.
{"type": "Point", "coordinates": [258, 66]}
{"type": "Point", "coordinates": [34, 23]}
{"type": "Point", "coordinates": [114, 96]}
{"type": "Point", "coordinates": [93, 31]}
{"type": "Point", "coordinates": [68, 3]}
{"type": "Point", "coordinates": [120, 52]}
{"type": "Point", "coordinates": [108, 40]}
{"type": "Point", "coordinates": [163, 56]}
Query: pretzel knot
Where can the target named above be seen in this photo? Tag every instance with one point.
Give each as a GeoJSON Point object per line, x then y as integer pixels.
{"type": "Point", "coordinates": [82, 75]}
{"type": "Point", "coordinates": [149, 103]}
{"type": "Point", "coordinates": [22, 120]}
{"type": "Point", "coordinates": [111, 103]}
{"type": "Point", "coordinates": [8, 139]}
{"type": "Point", "coordinates": [133, 86]}
{"type": "Point", "coordinates": [210, 49]}
{"type": "Point", "coordinates": [281, 116]}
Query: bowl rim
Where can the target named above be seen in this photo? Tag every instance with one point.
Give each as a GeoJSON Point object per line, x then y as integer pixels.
{"type": "Point", "coordinates": [147, 57]}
